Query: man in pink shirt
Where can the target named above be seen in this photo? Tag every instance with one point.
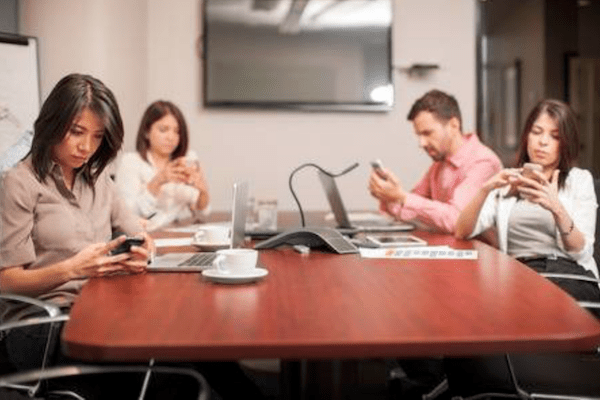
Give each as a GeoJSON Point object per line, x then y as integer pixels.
{"type": "Point", "coordinates": [461, 164]}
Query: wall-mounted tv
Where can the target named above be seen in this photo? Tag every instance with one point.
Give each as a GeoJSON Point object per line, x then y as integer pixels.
{"type": "Point", "coordinates": [332, 55]}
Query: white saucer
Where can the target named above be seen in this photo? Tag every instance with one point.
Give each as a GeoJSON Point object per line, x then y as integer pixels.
{"type": "Point", "coordinates": [216, 276]}
{"type": "Point", "coordinates": [210, 246]}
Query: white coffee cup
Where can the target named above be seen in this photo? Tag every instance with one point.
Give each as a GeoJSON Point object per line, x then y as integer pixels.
{"type": "Point", "coordinates": [236, 261]}
{"type": "Point", "coordinates": [212, 234]}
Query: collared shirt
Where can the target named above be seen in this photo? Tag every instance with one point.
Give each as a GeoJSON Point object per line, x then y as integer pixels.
{"type": "Point", "coordinates": [44, 222]}
{"type": "Point", "coordinates": [448, 186]}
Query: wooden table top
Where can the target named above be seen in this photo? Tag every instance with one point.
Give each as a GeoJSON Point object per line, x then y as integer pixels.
{"type": "Point", "coordinates": [323, 306]}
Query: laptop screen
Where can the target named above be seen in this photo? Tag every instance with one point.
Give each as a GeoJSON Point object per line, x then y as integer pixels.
{"type": "Point", "coordinates": [335, 200]}
{"type": "Point", "coordinates": [238, 214]}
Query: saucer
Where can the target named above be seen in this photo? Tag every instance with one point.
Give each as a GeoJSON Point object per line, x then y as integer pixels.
{"type": "Point", "coordinates": [216, 276]}
{"type": "Point", "coordinates": [211, 246]}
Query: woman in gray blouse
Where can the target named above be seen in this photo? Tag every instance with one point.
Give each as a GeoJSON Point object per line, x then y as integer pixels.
{"type": "Point", "coordinates": [59, 208]}
{"type": "Point", "coordinates": [544, 216]}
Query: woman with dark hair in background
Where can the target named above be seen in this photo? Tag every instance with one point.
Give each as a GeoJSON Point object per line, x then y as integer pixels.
{"type": "Point", "coordinates": [163, 181]}
{"type": "Point", "coordinates": [544, 214]}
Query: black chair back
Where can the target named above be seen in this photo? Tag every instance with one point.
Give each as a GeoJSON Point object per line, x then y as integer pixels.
{"type": "Point", "coordinates": [597, 241]}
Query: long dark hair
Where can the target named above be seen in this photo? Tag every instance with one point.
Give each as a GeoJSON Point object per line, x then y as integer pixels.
{"type": "Point", "coordinates": [71, 95]}
{"type": "Point", "coordinates": [153, 113]}
{"type": "Point", "coordinates": [568, 135]}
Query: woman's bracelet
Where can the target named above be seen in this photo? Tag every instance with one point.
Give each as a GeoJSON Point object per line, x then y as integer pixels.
{"type": "Point", "coordinates": [564, 234]}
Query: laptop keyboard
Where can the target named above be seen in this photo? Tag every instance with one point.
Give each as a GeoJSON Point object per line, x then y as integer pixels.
{"type": "Point", "coordinates": [199, 260]}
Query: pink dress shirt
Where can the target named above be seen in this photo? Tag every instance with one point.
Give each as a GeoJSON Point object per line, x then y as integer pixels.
{"type": "Point", "coordinates": [448, 186]}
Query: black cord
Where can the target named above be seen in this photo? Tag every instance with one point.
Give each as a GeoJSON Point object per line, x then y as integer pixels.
{"type": "Point", "coordinates": [350, 168]}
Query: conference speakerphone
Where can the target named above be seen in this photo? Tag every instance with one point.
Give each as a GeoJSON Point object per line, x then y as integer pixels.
{"type": "Point", "coordinates": [314, 237]}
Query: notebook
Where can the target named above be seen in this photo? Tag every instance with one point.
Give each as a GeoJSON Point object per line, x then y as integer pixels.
{"type": "Point", "coordinates": [194, 262]}
{"type": "Point", "coordinates": [344, 224]}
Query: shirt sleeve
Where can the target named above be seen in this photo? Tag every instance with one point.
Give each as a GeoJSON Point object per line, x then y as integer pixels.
{"type": "Point", "coordinates": [488, 214]}
{"type": "Point", "coordinates": [421, 188]}
{"type": "Point", "coordinates": [132, 187]}
{"type": "Point", "coordinates": [583, 213]}
{"type": "Point", "coordinates": [17, 205]}
{"type": "Point", "coordinates": [443, 215]}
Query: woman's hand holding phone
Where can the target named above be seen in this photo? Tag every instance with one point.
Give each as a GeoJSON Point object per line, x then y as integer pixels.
{"type": "Point", "coordinates": [532, 171]}
{"type": "Point", "coordinates": [141, 250]}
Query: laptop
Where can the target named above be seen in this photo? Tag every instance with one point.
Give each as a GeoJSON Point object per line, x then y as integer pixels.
{"type": "Point", "coordinates": [199, 261]}
{"type": "Point", "coordinates": [344, 223]}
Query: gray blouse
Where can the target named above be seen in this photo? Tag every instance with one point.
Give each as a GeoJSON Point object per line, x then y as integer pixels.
{"type": "Point", "coordinates": [43, 223]}
{"type": "Point", "coordinates": [531, 231]}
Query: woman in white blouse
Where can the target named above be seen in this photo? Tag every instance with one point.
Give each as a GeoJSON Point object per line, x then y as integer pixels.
{"type": "Point", "coordinates": [163, 181]}
{"type": "Point", "coordinates": [546, 219]}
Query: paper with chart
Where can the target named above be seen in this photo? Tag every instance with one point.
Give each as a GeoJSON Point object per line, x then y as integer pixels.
{"type": "Point", "coordinates": [424, 252]}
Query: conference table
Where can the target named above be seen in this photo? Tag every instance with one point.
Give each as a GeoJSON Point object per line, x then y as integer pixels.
{"type": "Point", "coordinates": [326, 306]}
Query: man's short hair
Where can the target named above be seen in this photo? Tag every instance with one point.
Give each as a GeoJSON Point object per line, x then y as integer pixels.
{"type": "Point", "coordinates": [442, 105]}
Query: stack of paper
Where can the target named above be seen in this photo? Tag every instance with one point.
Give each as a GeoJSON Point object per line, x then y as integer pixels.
{"type": "Point", "coordinates": [427, 252]}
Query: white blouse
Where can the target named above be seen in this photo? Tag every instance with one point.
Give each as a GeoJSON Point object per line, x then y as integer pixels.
{"type": "Point", "coordinates": [173, 202]}
{"type": "Point", "coordinates": [577, 196]}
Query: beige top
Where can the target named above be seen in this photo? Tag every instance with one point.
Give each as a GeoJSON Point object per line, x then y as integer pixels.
{"type": "Point", "coordinates": [44, 222]}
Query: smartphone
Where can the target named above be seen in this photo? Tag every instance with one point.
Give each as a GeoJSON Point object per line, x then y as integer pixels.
{"type": "Point", "coordinates": [125, 247]}
{"type": "Point", "coordinates": [528, 169]}
{"type": "Point", "coordinates": [377, 166]}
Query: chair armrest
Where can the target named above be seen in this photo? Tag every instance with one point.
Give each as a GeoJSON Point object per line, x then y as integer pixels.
{"type": "Point", "coordinates": [589, 304]}
{"type": "Point", "coordinates": [51, 309]}
{"type": "Point", "coordinates": [17, 379]}
{"type": "Point", "coordinates": [570, 276]}
{"type": "Point", "coordinates": [54, 313]}
{"type": "Point", "coordinates": [33, 321]}
{"type": "Point", "coordinates": [585, 304]}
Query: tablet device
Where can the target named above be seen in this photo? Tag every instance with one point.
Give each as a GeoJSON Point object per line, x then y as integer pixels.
{"type": "Point", "coordinates": [396, 240]}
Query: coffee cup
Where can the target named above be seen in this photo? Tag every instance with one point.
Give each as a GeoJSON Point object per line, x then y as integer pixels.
{"type": "Point", "coordinates": [236, 261]}
{"type": "Point", "coordinates": [212, 234]}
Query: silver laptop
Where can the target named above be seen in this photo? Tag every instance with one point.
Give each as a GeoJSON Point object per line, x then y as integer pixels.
{"type": "Point", "coordinates": [193, 262]}
{"type": "Point", "coordinates": [344, 224]}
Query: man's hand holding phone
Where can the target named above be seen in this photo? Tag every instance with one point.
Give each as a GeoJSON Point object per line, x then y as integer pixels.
{"type": "Point", "coordinates": [384, 186]}
{"type": "Point", "coordinates": [377, 166]}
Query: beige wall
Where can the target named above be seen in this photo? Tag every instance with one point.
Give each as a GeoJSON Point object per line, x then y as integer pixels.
{"type": "Point", "coordinates": [146, 49]}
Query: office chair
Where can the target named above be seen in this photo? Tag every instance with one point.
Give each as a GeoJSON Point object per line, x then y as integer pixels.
{"type": "Point", "coordinates": [32, 382]}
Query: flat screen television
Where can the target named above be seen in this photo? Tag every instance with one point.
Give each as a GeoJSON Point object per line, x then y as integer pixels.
{"type": "Point", "coordinates": [332, 55]}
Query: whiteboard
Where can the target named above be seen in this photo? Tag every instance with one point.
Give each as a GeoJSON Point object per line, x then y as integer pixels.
{"type": "Point", "coordinates": [19, 87]}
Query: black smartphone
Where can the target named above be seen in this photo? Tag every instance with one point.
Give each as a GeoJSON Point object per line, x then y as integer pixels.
{"type": "Point", "coordinates": [125, 247]}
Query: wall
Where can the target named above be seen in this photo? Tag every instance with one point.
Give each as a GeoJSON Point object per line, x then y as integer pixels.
{"type": "Point", "coordinates": [105, 38]}
{"type": "Point", "coordinates": [146, 50]}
